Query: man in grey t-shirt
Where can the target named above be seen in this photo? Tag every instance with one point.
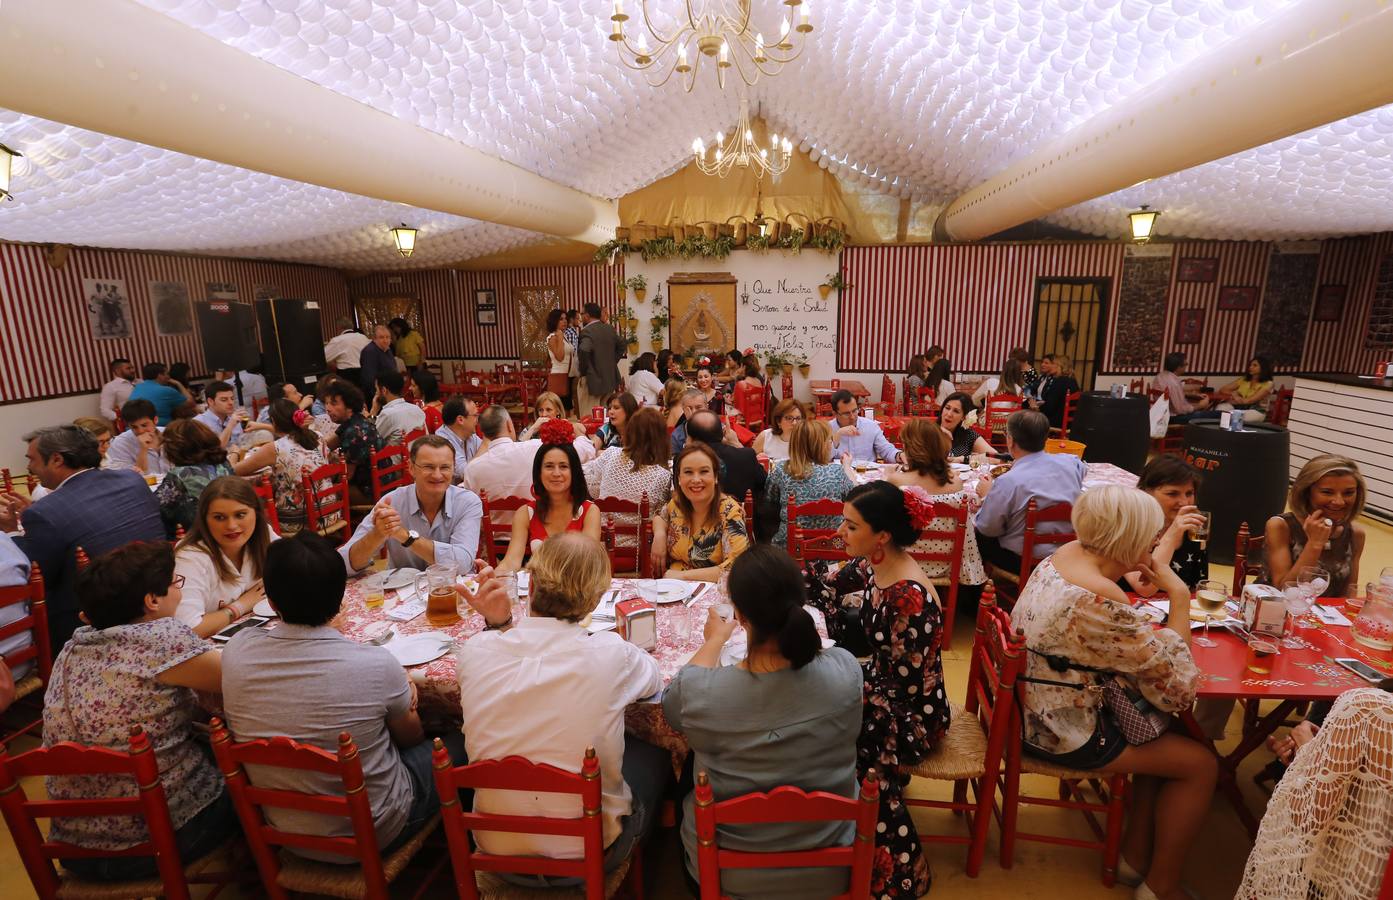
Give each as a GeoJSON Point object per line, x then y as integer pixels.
{"type": "Point", "coordinates": [306, 681]}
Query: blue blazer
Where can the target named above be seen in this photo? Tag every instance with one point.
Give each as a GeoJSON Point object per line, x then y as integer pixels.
{"type": "Point", "coordinates": [97, 510]}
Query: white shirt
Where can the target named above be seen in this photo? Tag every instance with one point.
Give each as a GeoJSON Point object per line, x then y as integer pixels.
{"type": "Point", "coordinates": [396, 418]}
{"type": "Point", "coordinates": [204, 590]}
{"type": "Point", "coordinates": [115, 393]}
{"type": "Point", "coordinates": [775, 445]}
{"type": "Point", "coordinates": [986, 389]}
{"type": "Point", "coordinates": [545, 690]}
{"type": "Point", "coordinates": [125, 450]}
{"type": "Point", "coordinates": [253, 387]}
{"type": "Point", "coordinates": [504, 469]}
{"type": "Point", "coordinates": [645, 387]}
{"type": "Point", "coordinates": [343, 349]}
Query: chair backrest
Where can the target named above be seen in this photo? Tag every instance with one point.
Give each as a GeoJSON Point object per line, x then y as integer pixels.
{"type": "Point", "coordinates": [998, 659]}
{"type": "Point", "coordinates": [1385, 891]}
{"type": "Point", "coordinates": [749, 509]}
{"type": "Point", "coordinates": [814, 543]}
{"type": "Point", "coordinates": [69, 759]}
{"type": "Point", "coordinates": [953, 531]}
{"type": "Point", "coordinates": [517, 774]}
{"type": "Point", "coordinates": [921, 403]}
{"type": "Point", "coordinates": [998, 409]}
{"type": "Point", "coordinates": [489, 532]}
{"type": "Point", "coordinates": [1137, 386]}
{"type": "Point", "coordinates": [1246, 547]}
{"type": "Point", "coordinates": [626, 558]}
{"type": "Point", "coordinates": [390, 469]}
{"type": "Point", "coordinates": [786, 804]}
{"type": "Point", "coordinates": [267, 493]}
{"type": "Point", "coordinates": [752, 405]}
{"type": "Point", "coordinates": [1071, 401]}
{"type": "Point", "coordinates": [326, 493]}
{"type": "Point", "coordinates": [410, 437]}
{"type": "Point", "coordinates": [1279, 408]}
{"type": "Point", "coordinates": [887, 389]}
{"type": "Point", "coordinates": [1034, 541]}
{"type": "Point", "coordinates": [786, 384]}
{"type": "Point", "coordinates": [250, 801]}
{"type": "Point", "coordinates": [35, 620]}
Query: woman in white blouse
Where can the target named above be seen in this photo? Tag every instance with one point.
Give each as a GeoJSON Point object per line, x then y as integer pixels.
{"type": "Point", "coordinates": [773, 441]}
{"type": "Point", "coordinates": [1010, 381]}
{"type": "Point", "coordinates": [643, 381]}
{"type": "Point", "coordinates": [221, 558]}
{"type": "Point", "coordinates": [639, 467]}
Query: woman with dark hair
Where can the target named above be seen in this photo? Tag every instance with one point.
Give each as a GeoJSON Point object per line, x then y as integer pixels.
{"type": "Point", "coordinates": [665, 365]}
{"type": "Point", "coordinates": [294, 452]}
{"type": "Point", "coordinates": [732, 369]}
{"type": "Point", "coordinates": [706, 383]}
{"type": "Point", "coordinates": [621, 405]}
{"type": "Point", "coordinates": [134, 663]}
{"type": "Point", "coordinates": [407, 343]}
{"type": "Point", "coordinates": [938, 380]}
{"type": "Point", "coordinates": [916, 374]}
{"type": "Point", "coordinates": [701, 531]}
{"type": "Point", "coordinates": [1010, 381]}
{"type": "Point", "coordinates": [1173, 483]}
{"type": "Point", "coordinates": [196, 457]}
{"type": "Point", "coordinates": [560, 353]}
{"type": "Point", "coordinates": [561, 500]}
{"type": "Point", "coordinates": [643, 381]}
{"type": "Point", "coordinates": [630, 471]}
{"type": "Point", "coordinates": [963, 440]}
{"type": "Point", "coordinates": [1030, 378]}
{"type": "Point", "coordinates": [430, 402]}
{"type": "Point", "coordinates": [1248, 393]}
{"type": "Point", "coordinates": [788, 713]}
{"type": "Point", "coordinates": [881, 606]}
{"type": "Point", "coordinates": [787, 415]}
{"type": "Point", "coordinates": [222, 557]}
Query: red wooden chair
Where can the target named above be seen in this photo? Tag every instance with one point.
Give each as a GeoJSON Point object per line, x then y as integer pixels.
{"type": "Point", "coordinates": [629, 557]}
{"type": "Point", "coordinates": [921, 404]}
{"type": "Point", "coordinates": [974, 748]}
{"type": "Point", "coordinates": [30, 482]}
{"type": "Point", "coordinates": [1033, 541]}
{"type": "Point", "coordinates": [1279, 409]}
{"type": "Point", "coordinates": [263, 489]}
{"type": "Point", "coordinates": [410, 437]}
{"type": "Point", "coordinates": [258, 404]}
{"type": "Point", "coordinates": [390, 469]}
{"type": "Point", "coordinates": [492, 549]}
{"type": "Point", "coordinates": [1246, 548]}
{"type": "Point", "coordinates": [998, 409]}
{"type": "Point", "coordinates": [327, 509]}
{"type": "Point", "coordinates": [814, 543]}
{"type": "Point", "coordinates": [474, 869]}
{"type": "Point", "coordinates": [1385, 891]}
{"type": "Point", "coordinates": [1137, 386]}
{"type": "Point", "coordinates": [1071, 402]}
{"type": "Point", "coordinates": [954, 532]}
{"type": "Point", "coordinates": [285, 872]}
{"type": "Point", "coordinates": [786, 384]}
{"type": "Point", "coordinates": [786, 804]}
{"type": "Point", "coordinates": [149, 803]}
{"type": "Point", "coordinates": [752, 405]}
{"type": "Point", "coordinates": [34, 621]}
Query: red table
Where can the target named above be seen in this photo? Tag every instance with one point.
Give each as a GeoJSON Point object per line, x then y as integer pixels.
{"type": "Point", "coordinates": [824, 388]}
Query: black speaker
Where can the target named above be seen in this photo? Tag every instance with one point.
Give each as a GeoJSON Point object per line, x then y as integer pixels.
{"type": "Point", "coordinates": [292, 338]}
{"type": "Point", "coordinates": [228, 329]}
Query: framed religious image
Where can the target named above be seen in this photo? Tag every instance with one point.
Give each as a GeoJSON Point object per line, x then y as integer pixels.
{"type": "Point", "coordinates": [1236, 297]}
{"type": "Point", "coordinates": [1189, 326]}
{"type": "Point", "coordinates": [486, 306]}
{"type": "Point", "coordinates": [1197, 268]}
{"type": "Point", "coordinates": [701, 313]}
{"type": "Point", "coordinates": [1330, 303]}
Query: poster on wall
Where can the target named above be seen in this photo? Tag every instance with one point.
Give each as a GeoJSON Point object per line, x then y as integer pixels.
{"type": "Point", "coordinates": [1204, 269]}
{"type": "Point", "coordinates": [1330, 302]}
{"type": "Point", "coordinates": [108, 308]}
{"type": "Point", "coordinates": [1189, 326]}
{"type": "Point", "coordinates": [170, 301]}
{"type": "Point", "coordinates": [1238, 297]}
{"type": "Point", "coordinates": [485, 306]}
{"type": "Point", "coordinates": [221, 290]}
{"type": "Point", "coordinates": [702, 313]}
{"type": "Point", "coordinates": [265, 291]}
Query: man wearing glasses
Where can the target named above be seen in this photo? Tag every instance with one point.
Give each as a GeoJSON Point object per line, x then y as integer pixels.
{"type": "Point", "coordinates": [861, 438]}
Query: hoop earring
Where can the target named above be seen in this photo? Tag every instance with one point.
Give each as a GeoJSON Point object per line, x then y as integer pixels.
{"type": "Point", "coordinates": [878, 556]}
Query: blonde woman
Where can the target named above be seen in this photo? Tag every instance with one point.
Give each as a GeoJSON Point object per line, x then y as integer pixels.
{"type": "Point", "coordinates": [1320, 529]}
{"type": "Point", "coordinates": [549, 406]}
{"type": "Point", "coordinates": [672, 402]}
{"type": "Point", "coordinates": [788, 414]}
{"type": "Point", "coordinates": [1073, 614]}
{"type": "Point", "coordinates": [807, 475]}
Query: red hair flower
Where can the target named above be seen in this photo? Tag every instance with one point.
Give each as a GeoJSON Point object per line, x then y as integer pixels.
{"type": "Point", "coordinates": [920, 506]}
{"type": "Point", "coordinates": [556, 431]}
{"type": "Point", "coordinates": [300, 417]}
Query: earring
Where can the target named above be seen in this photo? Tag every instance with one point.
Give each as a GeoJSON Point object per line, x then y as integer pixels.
{"type": "Point", "coordinates": [878, 556]}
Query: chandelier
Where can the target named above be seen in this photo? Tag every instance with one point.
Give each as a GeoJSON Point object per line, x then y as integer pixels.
{"type": "Point", "coordinates": [742, 151]}
{"type": "Point", "coordinates": [720, 30]}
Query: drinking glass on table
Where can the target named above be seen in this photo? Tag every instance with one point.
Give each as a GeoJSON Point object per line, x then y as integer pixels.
{"type": "Point", "coordinates": [1201, 534]}
{"type": "Point", "coordinates": [1261, 649]}
{"type": "Point", "coordinates": [1298, 599]}
{"type": "Point", "coordinates": [1212, 597]}
{"type": "Point", "coordinates": [374, 591]}
{"type": "Point", "coordinates": [1314, 579]}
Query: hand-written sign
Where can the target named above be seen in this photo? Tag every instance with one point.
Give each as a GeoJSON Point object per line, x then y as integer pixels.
{"type": "Point", "coordinates": [787, 314]}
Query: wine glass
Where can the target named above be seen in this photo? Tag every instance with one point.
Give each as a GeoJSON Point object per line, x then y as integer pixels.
{"type": "Point", "coordinates": [1212, 597]}
{"type": "Point", "coordinates": [1298, 599]}
{"type": "Point", "coordinates": [1314, 579]}
{"type": "Point", "coordinates": [1385, 577]}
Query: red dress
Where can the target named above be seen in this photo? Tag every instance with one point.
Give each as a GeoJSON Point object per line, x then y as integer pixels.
{"type": "Point", "coordinates": [749, 402]}
{"type": "Point", "coordinates": [434, 422]}
{"type": "Point", "coordinates": [537, 531]}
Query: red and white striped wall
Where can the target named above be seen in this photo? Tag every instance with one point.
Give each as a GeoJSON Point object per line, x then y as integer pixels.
{"type": "Point", "coordinates": [1228, 336]}
{"type": "Point", "coordinates": [48, 348]}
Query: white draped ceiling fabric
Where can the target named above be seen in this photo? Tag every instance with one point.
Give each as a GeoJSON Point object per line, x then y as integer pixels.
{"type": "Point", "coordinates": [923, 99]}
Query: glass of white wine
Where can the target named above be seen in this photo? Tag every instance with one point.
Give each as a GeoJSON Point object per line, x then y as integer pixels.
{"type": "Point", "coordinates": [1211, 597]}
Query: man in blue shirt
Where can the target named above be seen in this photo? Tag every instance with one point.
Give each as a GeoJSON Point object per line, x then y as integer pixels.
{"type": "Point", "coordinates": [222, 416]}
{"type": "Point", "coordinates": [159, 390]}
{"type": "Point", "coordinates": [1046, 478]}
{"type": "Point", "coordinates": [860, 437]}
{"type": "Point", "coordinates": [460, 428]}
{"type": "Point", "coordinates": [374, 358]}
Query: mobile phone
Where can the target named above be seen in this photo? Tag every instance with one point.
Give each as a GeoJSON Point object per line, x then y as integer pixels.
{"type": "Point", "coordinates": [1363, 670]}
{"type": "Point", "coordinates": [226, 634]}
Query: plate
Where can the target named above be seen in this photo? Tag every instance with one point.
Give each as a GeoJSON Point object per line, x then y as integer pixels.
{"type": "Point", "coordinates": [396, 579]}
{"type": "Point", "coordinates": [264, 608]}
{"type": "Point", "coordinates": [960, 467]}
{"type": "Point", "coordinates": [672, 590]}
{"type": "Point", "coordinates": [416, 649]}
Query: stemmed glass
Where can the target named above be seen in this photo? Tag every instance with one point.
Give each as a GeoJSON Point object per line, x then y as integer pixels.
{"type": "Point", "coordinates": [1315, 579]}
{"type": "Point", "coordinates": [1298, 599]}
{"type": "Point", "coordinates": [1212, 597]}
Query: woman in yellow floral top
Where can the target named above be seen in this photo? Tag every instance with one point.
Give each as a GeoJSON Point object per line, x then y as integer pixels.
{"type": "Point", "coordinates": [1072, 611]}
{"type": "Point", "coordinates": [701, 531]}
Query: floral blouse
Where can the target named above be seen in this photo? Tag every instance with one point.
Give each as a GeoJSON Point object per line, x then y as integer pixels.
{"type": "Point", "coordinates": [103, 682]}
{"type": "Point", "coordinates": [358, 441]}
{"type": "Point", "coordinates": [293, 461]}
{"type": "Point", "coordinates": [826, 481]}
{"type": "Point", "coordinates": [717, 544]}
{"type": "Point", "coordinates": [611, 474]}
{"type": "Point", "coordinates": [179, 492]}
{"type": "Point", "coordinates": [1062, 619]}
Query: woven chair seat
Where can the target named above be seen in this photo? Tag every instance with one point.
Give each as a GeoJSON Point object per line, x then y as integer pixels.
{"type": "Point", "coordinates": [1031, 765]}
{"type": "Point", "coordinates": [995, 572]}
{"type": "Point", "coordinates": [70, 887]}
{"type": "Point", "coordinates": [27, 686]}
{"type": "Point", "coordinates": [961, 754]}
{"type": "Point", "coordinates": [312, 877]}
{"type": "Point", "coordinates": [492, 887]}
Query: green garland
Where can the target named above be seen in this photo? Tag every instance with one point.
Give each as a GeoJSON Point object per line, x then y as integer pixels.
{"type": "Point", "coordinates": [828, 241]}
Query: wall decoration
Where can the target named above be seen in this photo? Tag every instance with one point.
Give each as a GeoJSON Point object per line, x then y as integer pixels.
{"type": "Point", "coordinates": [702, 312]}
{"type": "Point", "coordinates": [170, 302]}
{"type": "Point", "coordinates": [221, 290]}
{"type": "Point", "coordinates": [1189, 325]}
{"type": "Point", "coordinates": [1330, 303]}
{"type": "Point", "coordinates": [1379, 330]}
{"type": "Point", "coordinates": [1197, 268]}
{"type": "Point", "coordinates": [1238, 297]}
{"type": "Point", "coordinates": [486, 306]}
{"type": "Point", "coordinates": [1286, 307]}
{"type": "Point", "coordinates": [266, 292]}
{"type": "Point", "coordinates": [108, 308]}
{"type": "Point", "coordinates": [1141, 312]}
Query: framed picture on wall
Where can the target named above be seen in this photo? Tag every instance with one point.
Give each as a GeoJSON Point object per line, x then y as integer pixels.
{"type": "Point", "coordinates": [1189, 326]}
{"type": "Point", "coordinates": [486, 306]}
{"type": "Point", "coordinates": [1330, 303]}
{"type": "Point", "coordinates": [1237, 297]}
{"type": "Point", "coordinates": [1197, 268]}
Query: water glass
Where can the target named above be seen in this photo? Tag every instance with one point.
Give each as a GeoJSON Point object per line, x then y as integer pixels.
{"type": "Point", "coordinates": [1201, 534]}
{"type": "Point", "coordinates": [1298, 599]}
{"type": "Point", "coordinates": [1314, 580]}
{"type": "Point", "coordinates": [680, 617]}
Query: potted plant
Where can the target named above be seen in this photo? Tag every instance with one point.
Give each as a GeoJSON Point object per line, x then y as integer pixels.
{"type": "Point", "coordinates": [658, 327]}
{"type": "Point", "coordinates": [774, 362]}
{"type": "Point", "coordinates": [804, 368]}
{"type": "Point", "coordinates": [639, 285]}
{"type": "Point", "coordinates": [834, 282]}
{"type": "Point", "coordinates": [621, 289]}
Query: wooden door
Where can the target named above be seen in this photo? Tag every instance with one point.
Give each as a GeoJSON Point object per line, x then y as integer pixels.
{"type": "Point", "coordinates": [1069, 318]}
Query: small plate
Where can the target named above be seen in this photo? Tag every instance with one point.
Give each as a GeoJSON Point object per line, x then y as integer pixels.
{"type": "Point", "coordinates": [417, 649]}
{"type": "Point", "coordinates": [264, 608]}
{"type": "Point", "coordinates": [671, 590]}
{"type": "Point", "coordinates": [396, 579]}
{"type": "Point", "coordinates": [960, 467]}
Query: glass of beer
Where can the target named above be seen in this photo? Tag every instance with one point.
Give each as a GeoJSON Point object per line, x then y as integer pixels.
{"type": "Point", "coordinates": [1211, 597]}
{"type": "Point", "coordinates": [442, 603]}
{"type": "Point", "coordinates": [1201, 534]}
{"type": "Point", "coordinates": [374, 592]}
{"type": "Point", "coordinates": [1261, 649]}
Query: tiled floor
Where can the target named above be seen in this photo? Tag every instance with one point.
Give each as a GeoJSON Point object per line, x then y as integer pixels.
{"type": "Point", "coordinates": [1213, 871]}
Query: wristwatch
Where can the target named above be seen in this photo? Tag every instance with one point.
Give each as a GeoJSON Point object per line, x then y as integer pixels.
{"type": "Point", "coordinates": [411, 538]}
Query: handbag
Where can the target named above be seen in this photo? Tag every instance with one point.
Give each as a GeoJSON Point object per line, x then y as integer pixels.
{"type": "Point", "coordinates": [1135, 717]}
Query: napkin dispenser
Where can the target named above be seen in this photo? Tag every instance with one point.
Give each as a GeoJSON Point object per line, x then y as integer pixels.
{"type": "Point", "coordinates": [1264, 611]}
{"type": "Point", "coordinates": [636, 620]}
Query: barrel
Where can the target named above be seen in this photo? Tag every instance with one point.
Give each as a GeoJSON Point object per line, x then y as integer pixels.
{"type": "Point", "coordinates": [1115, 430]}
{"type": "Point", "coordinates": [1244, 478]}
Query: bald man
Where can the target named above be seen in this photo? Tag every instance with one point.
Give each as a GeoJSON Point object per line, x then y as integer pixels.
{"type": "Point", "coordinates": [375, 358]}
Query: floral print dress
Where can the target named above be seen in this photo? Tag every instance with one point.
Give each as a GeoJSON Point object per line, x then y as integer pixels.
{"type": "Point", "coordinates": [293, 462]}
{"type": "Point", "coordinates": [906, 708]}
{"type": "Point", "coordinates": [179, 492]}
{"type": "Point", "coordinates": [717, 544]}
{"type": "Point", "coordinates": [972, 571]}
{"type": "Point", "coordinates": [826, 481]}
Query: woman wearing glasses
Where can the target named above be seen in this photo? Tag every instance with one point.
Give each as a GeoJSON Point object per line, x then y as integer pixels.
{"type": "Point", "coordinates": [773, 441]}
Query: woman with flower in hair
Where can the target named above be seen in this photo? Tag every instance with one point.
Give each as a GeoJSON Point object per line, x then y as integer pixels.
{"type": "Point", "coordinates": [881, 607]}
{"type": "Point", "coordinates": [706, 383]}
{"type": "Point", "coordinates": [294, 452]}
{"type": "Point", "coordinates": [561, 499]}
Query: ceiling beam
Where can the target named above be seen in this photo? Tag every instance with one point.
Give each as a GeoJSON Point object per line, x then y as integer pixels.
{"type": "Point", "coordinates": [119, 68]}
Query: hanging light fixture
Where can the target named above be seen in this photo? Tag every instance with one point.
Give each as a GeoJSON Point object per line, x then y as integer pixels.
{"type": "Point", "coordinates": [7, 158]}
{"type": "Point", "coordinates": [1143, 221]}
{"type": "Point", "coordinates": [405, 236]}
{"type": "Point", "coordinates": [743, 151]}
{"type": "Point", "coordinates": [719, 30]}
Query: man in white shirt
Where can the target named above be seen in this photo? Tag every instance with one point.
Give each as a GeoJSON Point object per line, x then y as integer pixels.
{"type": "Point", "coordinates": [222, 416]}
{"type": "Point", "coordinates": [395, 417]}
{"type": "Point", "coordinates": [461, 418]}
{"type": "Point", "coordinates": [118, 390]}
{"type": "Point", "coordinates": [343, 350]}
{"type": "Point", "coordinates": [503, 466]}
{"type": "Point", "coordinates": [140, 446]}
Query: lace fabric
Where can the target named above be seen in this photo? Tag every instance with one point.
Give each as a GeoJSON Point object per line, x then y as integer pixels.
{"type": "Point", "coordinates": [1329, 825]}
